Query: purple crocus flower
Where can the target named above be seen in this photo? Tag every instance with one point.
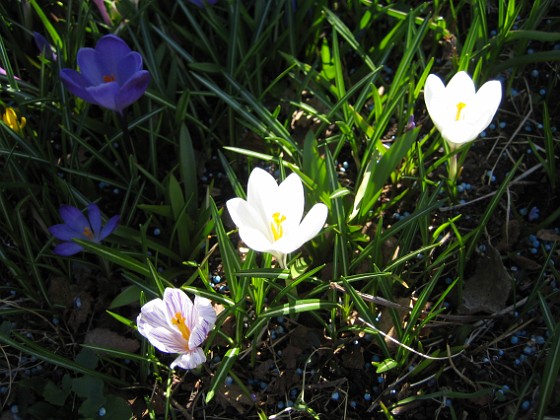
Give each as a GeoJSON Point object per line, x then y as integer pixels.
{"type": "Point", "coordinates": [77, 226]}
{"type": "Point", "coordinates": [111, 75]}
{"type": "Point", "coordinates": [177, 325]}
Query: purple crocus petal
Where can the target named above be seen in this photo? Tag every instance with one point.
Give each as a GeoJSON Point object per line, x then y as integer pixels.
{"type": "Point", "coordinates": [199, 334]}
{"type": "Point", "coordinates": [73, 218]}
{"type": "Point", "coordinates": [105, 95]}
{"type": "Point", "coordinates": [76, 84]}
{"type": "Point", "coordinates": [152, 315]}
{"type": "Point", "coordinates": [204, 319]}
{"type": "Point", "coordinates": [128, 66]}
{"type": "Point", "coordinates": [111, 50]}
{"type": "Point", "coordinates": [65, 249]}
{"type": "Point", "coordinates": [166, 340]}
{"type": "Point", "coordinates": [94, 216]}
{"type": "Point", "coordinates": [91, 66]}
{"type": "Point", "coordinates": [133, 89]}
{"type": "Point", "coordinates": [154, 325]}
{"type": "Point", "coordinates": [109, 227]}
{"type": "Point", "coordinates": [64, 233]}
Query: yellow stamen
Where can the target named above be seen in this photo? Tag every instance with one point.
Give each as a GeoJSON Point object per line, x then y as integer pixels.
{"type": "Point", "coordinates": [179, 321]}
{"type": "Point", "coordinates": [88, 233]}
{"type": "Point", "coordinates": [109, 78]}
{"type": "Point", "coordinates": [460, 107]}
{"type": "Point", "coordinates": [276, 225]}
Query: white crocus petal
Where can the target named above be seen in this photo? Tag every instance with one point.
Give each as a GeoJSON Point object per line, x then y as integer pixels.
{"type": "Point", "coordinates": [461, 88]}
{"type": "Point", "coordinates": [250, 223]}
{"type": "Point", "coordinates": [460, 133]}
{"type": "Point", "coordinates": [486, 104]}
{"type": "Point", "coordinates": [434, 91]}
{"type": "Point", "coordinates": [190, 360]}
{"type": "Point", "coordinates": [290, 202]}
{"type": "Point", "coordinates": [262, 191]}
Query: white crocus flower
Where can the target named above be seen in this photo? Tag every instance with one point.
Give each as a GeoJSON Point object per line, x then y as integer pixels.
{"type": "Point", "coordinates": [176, 325]}
{"type": "Point", "coordinates": [457, 110]}
{"type": "Point", "coordinates": [270, 220]}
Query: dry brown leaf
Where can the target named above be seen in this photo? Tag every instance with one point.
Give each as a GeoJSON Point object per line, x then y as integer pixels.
{"type": "Point", "coordinates": [233, 396]}
{"type": "Point", "coordinates": [386, 322]}
{"type": "Point", "coordinates": [487, 290]}
{"type": "Point", "coordinates": [59, 292]}
{"type": "Point", "coordinates": [525, 263]}
{"type": "Point", "coordinates": [103, 337]}
{"type": "Point", "coordinates": [548, 235]}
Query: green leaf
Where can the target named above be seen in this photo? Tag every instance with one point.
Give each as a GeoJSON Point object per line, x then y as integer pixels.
{"type": "Point", "coordinates": [328, 70]}
{"type": "Point", "coordinates": [54, 394]}
{"type": "Point", "coordinates": [385, 365]}
{"type": "Point", "coordinates": [115, 256]}
{"type": "Point", "coordinates": [87, 358]}
{"type": "Point", "coordinates": [223, 370]}
{"type": "Point", "coordinates": [314, 166]}
{"type": "Point", "coordinates": [188, 167]}
{"type": "Point", "coordinates": [550, 374]}
{"type": "Point", "coordinates": [292, 308]}
{"type": "Point", "coordinates": [117, 408]}
{"type": "Point", "coordinates": [88, 387]}
{"type": "Point", "coordinates": [130, 294]}
{"type": "Point", "coordinates": [31, 348]}
{"type": "Point", "coordinates": [377, 173]}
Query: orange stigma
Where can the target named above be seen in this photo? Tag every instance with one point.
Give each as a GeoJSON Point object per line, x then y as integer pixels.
{"type": "Point", "coordinates": [88, 233]}
{"type": "Point", "coordinates": [109, 78]}
{"type": "Point", "coordinates": [179, 321]}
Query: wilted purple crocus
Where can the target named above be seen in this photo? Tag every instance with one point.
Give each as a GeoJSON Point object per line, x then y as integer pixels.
{"type": "Point", "coordinates": [103, 10]}
{"type": "Point", "coordinates": [77, 226]}
{"type": "Point", "coordinates": [111, 75]}
{"type": "Point", "coordinates": [44, 46]}
{"type": "Point", "coordinates": [176, 325]}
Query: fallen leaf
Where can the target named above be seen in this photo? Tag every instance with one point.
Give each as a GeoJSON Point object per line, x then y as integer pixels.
{"type": "Point", "coordinates": [233, 396]}
{"type": "Point", "coordinates": [103, 337]}
{"type": "Point", "coordinates": [487, 290]}
{"type": "Point", "coordinates": [525, 263]}
{"type": "Point", "coordinates": [548, 235]}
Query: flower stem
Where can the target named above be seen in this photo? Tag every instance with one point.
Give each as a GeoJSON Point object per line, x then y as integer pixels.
{"type": "Point", "coordinates": [453, 168]}
{"type": "Point", "coordinates": [128, 145]}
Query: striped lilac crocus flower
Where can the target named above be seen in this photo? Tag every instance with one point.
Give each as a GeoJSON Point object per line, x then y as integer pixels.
{"type": "Point", "coordinates": [175, 324]}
